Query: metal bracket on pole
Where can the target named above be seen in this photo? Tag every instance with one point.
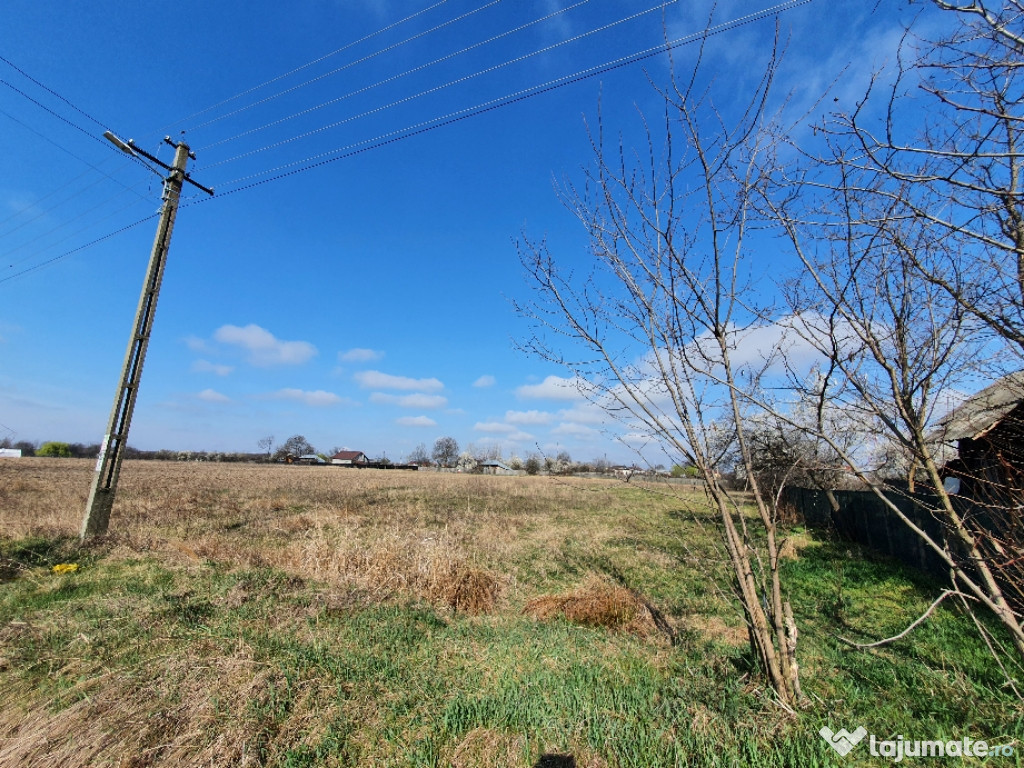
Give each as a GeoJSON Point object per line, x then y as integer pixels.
{"type": "Point", "coordinates": [108, 463]}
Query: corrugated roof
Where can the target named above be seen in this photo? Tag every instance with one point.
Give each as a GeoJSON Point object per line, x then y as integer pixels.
{"type": "Point", "coordinates": [980, 413]}
{"type": "Point", "coordinates": [495, 463]}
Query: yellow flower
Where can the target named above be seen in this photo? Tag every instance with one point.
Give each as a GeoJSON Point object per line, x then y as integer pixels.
{"type": "Point", "coordinates": [65, 568]}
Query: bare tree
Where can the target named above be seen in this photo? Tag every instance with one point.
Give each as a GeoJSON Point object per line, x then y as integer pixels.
{"type": "Point", "coordinates": [419, 455]}
{"type": "Point", "coordinates": [953, 163]}
{"type": "Point", "coordinates": [446, 451]}
{"type": "Point", "coordinates": [912, 247]}
{"type": "Point", "coordinates": [650, 327]}
{"type": "Point", "coordinates": [296, 445]}
{"type": "Point", "coordinates": [266, 444]}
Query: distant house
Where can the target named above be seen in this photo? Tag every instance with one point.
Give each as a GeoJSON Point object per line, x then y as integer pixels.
{"type": "Point", "coordinates": [350, 458]}
{"type": "Point", "coordinates": [495, 467]}
{"type": "Point", "coordinates": [309, 458]}
{"type": "Point", "coordinates": [986, 479]}
{"type": "Point", "coordinates": [988, 430]}
{"type": "Point", "coordinates": [10, 453]}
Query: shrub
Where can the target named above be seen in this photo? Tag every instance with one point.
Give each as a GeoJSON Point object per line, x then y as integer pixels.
{"type": "Point", "coordinates": [55, 450]}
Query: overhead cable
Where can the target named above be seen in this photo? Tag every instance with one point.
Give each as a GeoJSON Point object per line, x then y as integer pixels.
{"type": "Point", "coordinates": [67, 151]}
{"type": "Point", "coordinates": [51, 91]}
{"type": "Point", "coordinates": [393, 78]}
{"type": "Point", "coordinates": [308, 64]}
{"type": "Point", "coordinates": [348, 66]}
{"type": "Point", "coordinates": [79, 248]}
{"type": "Point", "coordinates": [448, 84]}
{"type": "Point", "coordinates": [325, 158]}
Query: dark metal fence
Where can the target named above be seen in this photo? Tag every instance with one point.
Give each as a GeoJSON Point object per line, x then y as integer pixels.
{"type": "Point", "coordinates": [865, 519]}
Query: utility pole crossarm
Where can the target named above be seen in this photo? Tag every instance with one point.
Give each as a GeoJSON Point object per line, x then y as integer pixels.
{"type": "Point", "coordinates": [108, 464]}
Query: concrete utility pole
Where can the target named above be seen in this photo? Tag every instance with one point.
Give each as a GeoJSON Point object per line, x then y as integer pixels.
{"type": "Point", "coordinates": [108, 464]}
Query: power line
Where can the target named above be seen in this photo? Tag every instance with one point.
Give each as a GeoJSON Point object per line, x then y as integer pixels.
{"type": "Point", "coordinates": [45, 108]}
{"type": "Point", "coordinates": [393, 78]}
{"type": "Point", "coordinates": [345, 47]}
{"type": "Point", "coordinates": [66, 223]}
{"type": "Point", "coordinates": [457, 81]}
{"type": "Point", "coordinates": [79, 248]}
{"type": "Point", "coordinates": [347, 66]}
{"type": "Point", "coordinates": [392, 137]}
{"type": "Point", "coordinates": [51, 91]}
{"type": "Point", "coordinates": [64, 149]}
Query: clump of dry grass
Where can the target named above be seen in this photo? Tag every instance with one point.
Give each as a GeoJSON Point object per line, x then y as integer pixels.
{"type": "Point", "coordinates": [464, 588]}
{"type": "Point", "coordinates": [489, 748]}
{"type": "Point", "coordinates": [600, 603]}
{"type": "Point", "coordinates": [436, 569]}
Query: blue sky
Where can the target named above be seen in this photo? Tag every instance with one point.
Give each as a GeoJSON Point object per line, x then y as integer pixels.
{"type": "Point", "coordinates": [364, 303]}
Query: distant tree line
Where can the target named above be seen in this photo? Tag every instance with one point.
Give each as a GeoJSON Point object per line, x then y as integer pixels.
{"type": "Point", "coordinates": [445, 453]}
{"type": "Point", "coordinates": [62, 450]}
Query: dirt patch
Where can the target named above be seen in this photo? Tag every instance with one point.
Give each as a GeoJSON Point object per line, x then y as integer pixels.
{"type": "Point", "coordinates": [600, 603]}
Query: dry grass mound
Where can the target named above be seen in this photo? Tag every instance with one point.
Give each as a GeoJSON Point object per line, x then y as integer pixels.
{"type": "Point", "coordinates": [464, 588]}
{"type": "Point", "coordinates": [600, 603]}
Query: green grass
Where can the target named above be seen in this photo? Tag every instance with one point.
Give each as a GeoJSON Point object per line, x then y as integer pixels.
{"type": "Point", "coordinates": [202, 662]}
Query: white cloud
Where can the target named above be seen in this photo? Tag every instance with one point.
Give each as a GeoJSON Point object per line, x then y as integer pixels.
{"type": "Point", "coordinates": [520, 437]}
{"type": "Point", "coordinates": [205, 366]}
{"type": "Point", "coordinates": [263, 347]}
{"type": "Point", "coordinates": [485, 381]}
{"type": "Point", "coordinates": [213, 396]}
{"type": "Point", "coordinates": [528, 417]}
{"type": "Point", "coordinates": [317, 398]}
{"type": "Point", "coordinates": [493, 426]}
{"type": "Point", "coordinates": [576, 430]}
{"type": "Point", "coordinates": [416, 400]}
{"type": "Point", "coordinates": [378, 380]}
{"type": "Point", "coordinates": [196, 344]}
{"type": "Point", "coordinates": [359, 355]}
{"type": "Point", "coordinates": [416, 421]}
{"type": "Point", "coordinates": [584, 413]}
{"type": "Point", "coordinates": [553, 388]}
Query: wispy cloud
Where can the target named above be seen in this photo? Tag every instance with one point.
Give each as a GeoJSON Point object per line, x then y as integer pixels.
{"type": "Point", "coordinates": [485, 381]}
{"type": "Point", "coordinates": [528, 417]}
{"type": "Point", "coordinates": [415, 400]}
{"type": "Point", "coordinates": [585, 413]}
{"type": "Point", "coordinates": [493, 426]}
{"type": "Point", "coordinates": [264, 349]}
{"type": "Point", "coordinates": [213, 396]}
{"type": "Point", "coordinates": [378, 380]}
{"type": "Point", "coordinates": [205, 366]}
{"type": "Point", "coordinates": [198, 345]}
{"type": "Point", "coordinates": [552, 388]}
{"type": "Point", "coordinates": [416, 421]}
{"type": "Point", "coordinates": [359, 355]}
{"type": "Point", "coordinates": [575, 430]}
{"type": "Point", "coordinates": [316, 398]}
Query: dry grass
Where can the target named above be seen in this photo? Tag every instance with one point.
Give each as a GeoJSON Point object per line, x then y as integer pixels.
{"type": "Point", "coordinates": [600, 603]}
{"type": "Point", "coordinates": [458, 541]}
{"type": "Point", "coordinates": [272, 615]}
{"type": "Point", "coordinates": [166, 715]}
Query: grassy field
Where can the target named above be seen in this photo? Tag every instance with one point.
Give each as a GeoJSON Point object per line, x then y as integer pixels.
{"type": "Point", "coordinates": [308, 616]}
